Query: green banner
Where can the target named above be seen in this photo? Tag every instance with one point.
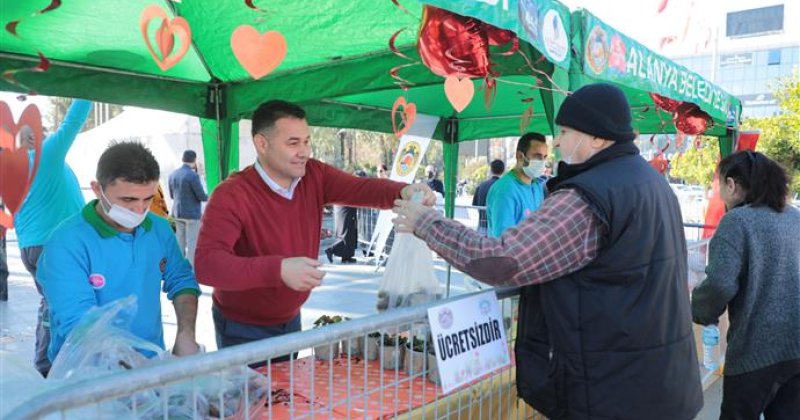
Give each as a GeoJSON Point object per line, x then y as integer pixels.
{"type": "Point", "coordinates": [545, 24]}
{"type": "Point", "coordinates": [609, 55]}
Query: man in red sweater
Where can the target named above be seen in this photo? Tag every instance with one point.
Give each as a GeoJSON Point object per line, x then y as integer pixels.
{"type": "Point", "coordinates": [259, 240]}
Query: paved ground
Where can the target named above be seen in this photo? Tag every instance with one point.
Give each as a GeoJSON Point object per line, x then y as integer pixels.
{"type": "Point", "coordinates": [348, 290]}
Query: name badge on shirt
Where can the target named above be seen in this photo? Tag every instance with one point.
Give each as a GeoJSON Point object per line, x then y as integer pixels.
{"type": "Point", "coordinates": [98, 281]}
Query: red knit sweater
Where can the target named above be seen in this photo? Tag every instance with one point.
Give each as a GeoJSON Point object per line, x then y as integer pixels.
{"type": "Point", "coordinates": [248, 230]}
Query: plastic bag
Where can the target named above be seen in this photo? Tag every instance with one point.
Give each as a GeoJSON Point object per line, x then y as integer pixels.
{"type": "Point", "coordinates": [101, 342]}
{"type": "Point", "coordinates": [409, 278]}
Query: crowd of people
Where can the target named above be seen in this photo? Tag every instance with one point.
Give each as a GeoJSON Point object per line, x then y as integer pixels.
{"type": "Point", "coordinates": [605, 315]}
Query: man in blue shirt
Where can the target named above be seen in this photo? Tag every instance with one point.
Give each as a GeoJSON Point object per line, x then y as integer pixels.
{"type": "Point", "coordinates": [519, 192]}
{"type": "Point", "coordinates": [113, 249]}
{"type": "Point", "coordinates": [497, 167]}
{"type": "Point", "coordinates": [187, 194]}
{"type": "Point", "coordinates": [54, 196]}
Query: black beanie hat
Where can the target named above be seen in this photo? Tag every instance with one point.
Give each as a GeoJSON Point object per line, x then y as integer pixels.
{"type": "Point", "coordinates": [600, 110]}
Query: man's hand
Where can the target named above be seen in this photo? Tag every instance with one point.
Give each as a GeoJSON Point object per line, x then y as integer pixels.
{"type": "Point", "coordinates": [407, 215]}
{"type": "Point", "coordinates": [185, 344]}
{"type": "Point", "coordinates": [301, 273]}
{"type": "Point", "coordinates": [428, 197]}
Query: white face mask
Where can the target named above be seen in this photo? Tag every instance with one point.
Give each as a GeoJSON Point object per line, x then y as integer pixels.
{"type": "Point", "coordinates": [534, 169]}
{"type": "Point", "coordinates": [128, 219]}
{"type": "Point", "coordinates": [569, 159]}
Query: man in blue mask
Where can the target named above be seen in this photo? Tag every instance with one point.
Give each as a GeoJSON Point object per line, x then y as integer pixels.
{"type": "Point", "coordinates": [519, 192]}
{"type": "Point", "coordinates": [113, 249]}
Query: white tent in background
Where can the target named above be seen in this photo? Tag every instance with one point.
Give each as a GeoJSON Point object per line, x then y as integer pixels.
{"type": "Point", "coordinates": [166, 134]}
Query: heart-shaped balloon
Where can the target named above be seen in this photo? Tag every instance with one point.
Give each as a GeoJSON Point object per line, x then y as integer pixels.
{"type": "Point", "coordinates": [667, 104]}
{"type": "Point", "coordinates": [690, 119]}
{"type": "Point", "coordinates": [451, 44]}
{"type": "Point", "coordinates": [459, 91]}
{"type": "Point", "coordinates": [659, 163]}
{"type": "Point", "coordinates": [165, 36]}
{"type": "Point", "coordinates": [16, 175]}
{"type": "Point", "coordinates": [258, 54]}
{"type": "Point", "coordinates": [406, 115]}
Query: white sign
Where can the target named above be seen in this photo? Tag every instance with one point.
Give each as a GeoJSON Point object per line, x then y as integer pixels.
{"type": "Point", "coordinates": [409, 154]}
{"type": "Point", "coordinates": [554, 36]}
{"type": "Point", "coordinates": [469, 338]}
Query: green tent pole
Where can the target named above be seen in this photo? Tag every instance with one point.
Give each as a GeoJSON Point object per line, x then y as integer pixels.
{"type": "Point", "coordinates": [229, 138]}
{"type": "Point", "coordinates": [450, 166]}
{"type": "Point", "coordinates": [552, 99]}
{"type": "Point", "coordinates": [450, 173]}
{"type": "Point", "coordinates": [726, 143]}
{"type": "Point", "coordinates": [211, 152]}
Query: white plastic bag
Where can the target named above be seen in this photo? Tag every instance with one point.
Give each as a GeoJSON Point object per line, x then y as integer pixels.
{"type": "Point", "coordinates": [409, 278]}
{"type": "Point", "coordinates": [101, 342]}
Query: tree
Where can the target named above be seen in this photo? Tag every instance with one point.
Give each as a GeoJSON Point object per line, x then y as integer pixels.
{"type": "Point", "coordinates": [697, 165]}
{"type": "Point", "coordinates": [780, 134]}
{"type": "Point", "coordinates": [58, 110]}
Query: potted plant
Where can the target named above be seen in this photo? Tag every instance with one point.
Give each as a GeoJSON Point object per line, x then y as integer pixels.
{"type": "Point", "coordinates": [331, 350]}
{"type": "Point", "coordinates": [415, 358]}
{"type": "Point", "coordinates": [372, 346]}
{"type": "Point", "coordinates": [433, 366]}
{"type": "Point", "coordinates": [393, 346]}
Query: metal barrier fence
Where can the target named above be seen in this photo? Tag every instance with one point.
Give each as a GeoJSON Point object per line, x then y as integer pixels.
{"type": "Point", "coordinates": [352, 374]}
{"type": "Point", "coordinates": [367, 218]}
{"type": "Point", "coordinates": [345, 370]}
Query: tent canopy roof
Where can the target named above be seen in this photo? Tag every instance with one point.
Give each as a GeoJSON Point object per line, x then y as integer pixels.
{"type": "Point", "coordinates": [337, 65]}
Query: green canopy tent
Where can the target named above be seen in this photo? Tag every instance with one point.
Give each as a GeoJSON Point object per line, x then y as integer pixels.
{"type": "Point", "coordinates": [337, 66]}
{"type": "Point", "coordinates": [601, 53]}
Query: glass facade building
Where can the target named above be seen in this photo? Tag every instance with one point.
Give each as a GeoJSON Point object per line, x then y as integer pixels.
{"type": "Point", "coordinates": [746, 66]}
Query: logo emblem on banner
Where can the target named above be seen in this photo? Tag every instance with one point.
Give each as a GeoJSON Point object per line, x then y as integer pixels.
{"type": "Point", "coordinates": [597, 50]}
{"type": "Point", "coordinates": [408, 157]}
{"type": "Point", "coordinates": [529, 16]}
{"type": "Point", "coordinates": [555, 36]}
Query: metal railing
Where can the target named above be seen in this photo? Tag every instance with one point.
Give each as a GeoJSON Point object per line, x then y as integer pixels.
{"type": "Point", "coordinates": [338, 371]}
{"type": "Point", "coordinates": [351, 375]}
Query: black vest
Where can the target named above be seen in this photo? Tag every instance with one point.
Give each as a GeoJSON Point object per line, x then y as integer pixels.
{"type": "Point", "coordinates": [614, 340]}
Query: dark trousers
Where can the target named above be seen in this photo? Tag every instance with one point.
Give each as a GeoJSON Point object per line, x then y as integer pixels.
{"type": "Point", "coordinates": [773, 391]}
{"type": "Point", "coordinates": [30, 256]}
{"type": "Point", "coordinates": [230, 333]}
{"type": "Point", "coordinates": [3, 269]}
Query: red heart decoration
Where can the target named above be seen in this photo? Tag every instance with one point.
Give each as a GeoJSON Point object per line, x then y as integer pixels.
{"type": "Point", "coordinates": [259, 54]}
{"type": "Point", "coordinates": [407, 115]}
{"type": "Point", "coordinates": [15, 179]}
{"type": "Point", "coordinates": [690, 119]}
{"type": "Point", "coordinates": [165, 36]}
{"type": "Point", "coordinates": [459, 91]}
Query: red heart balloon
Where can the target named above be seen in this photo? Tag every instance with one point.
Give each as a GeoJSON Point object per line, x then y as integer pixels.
{"type": "Point", "coordinates": [667, 104]}
{"type": "Point", "coordinates": [690, 119]}
{"type": "Point", "coordinates": [659, 163]}
{"type": "Point", "coordinates": [453, 45]}
{"type": "Point", "coordinates": [16, 175]}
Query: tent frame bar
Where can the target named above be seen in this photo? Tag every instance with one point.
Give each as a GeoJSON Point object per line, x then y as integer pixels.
{"type": "Point", "coordinates": [109, 70]}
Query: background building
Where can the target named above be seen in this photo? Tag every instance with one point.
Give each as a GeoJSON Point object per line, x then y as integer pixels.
{"type": "Point", "coordinates": [743, 47]}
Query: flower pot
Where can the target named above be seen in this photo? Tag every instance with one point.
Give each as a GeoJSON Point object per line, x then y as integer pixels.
{"type": "Point", "coordinates": [326, 351]}
{"type": "Point", "coordinates": [433, 369]}
{"type": "Point", "coordinates": [372, 347]}
{"type": "Point", "coordinates": [353, 346]}
{"type": "Point", "coordinates": [415, 361]}
{"type": "Point", "coordinates": [392, 357]}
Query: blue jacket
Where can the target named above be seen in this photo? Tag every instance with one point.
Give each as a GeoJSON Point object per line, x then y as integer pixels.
{"type": "Point", "coordinates": [88, 263]}
{"type": "Point", "coordinates": [509, 201]}
{"type": "Point", "coordinates": [186, 192]}
{"type": "Point", "coordinates": [55, 194]}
